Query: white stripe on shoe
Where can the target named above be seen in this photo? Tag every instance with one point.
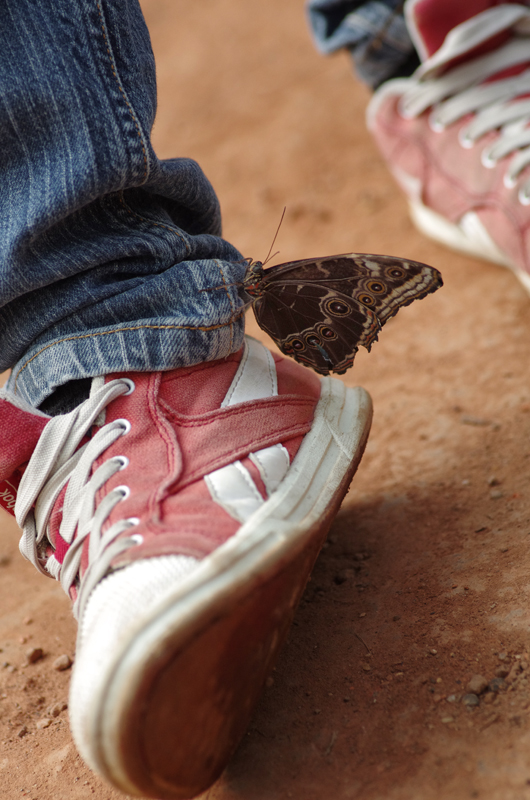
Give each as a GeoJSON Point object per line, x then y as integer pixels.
{"type": "Point", "coordinates": [232, 487]}
{"type": "Point", "coordinates": [272, 463]}
{"type": "Point", "coordinates": [255, 377]}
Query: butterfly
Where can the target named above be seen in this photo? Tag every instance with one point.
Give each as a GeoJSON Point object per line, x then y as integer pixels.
{"type": "Point", "coordinates": [319, 311]}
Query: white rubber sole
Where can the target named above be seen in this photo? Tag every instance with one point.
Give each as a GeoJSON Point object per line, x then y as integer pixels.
{"type": "Point", "coordinates": [468, 237]}
{"type": "Point", "coordinates": [175, 697]}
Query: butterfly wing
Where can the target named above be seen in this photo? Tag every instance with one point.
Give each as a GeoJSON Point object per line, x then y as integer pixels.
{"type": "Point", "coordinates": [295, 316]}
{"type": "Point", "coordinates": [319, 311]}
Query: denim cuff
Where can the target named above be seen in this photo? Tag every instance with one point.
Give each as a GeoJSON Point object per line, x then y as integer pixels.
{"type": "Point", "coordinates": [374, 32]}
{"type": "Point", "coordinates": [203, 320]}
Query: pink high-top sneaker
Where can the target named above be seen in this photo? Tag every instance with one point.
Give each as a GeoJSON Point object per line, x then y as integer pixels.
{"type": "Point", "coordinates": [456, 134]}
{"type": "Point", "coordinates": [182, 512]}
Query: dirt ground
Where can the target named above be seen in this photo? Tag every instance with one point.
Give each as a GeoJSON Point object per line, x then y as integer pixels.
{"type": "Point", "coordinates": [424, 582]}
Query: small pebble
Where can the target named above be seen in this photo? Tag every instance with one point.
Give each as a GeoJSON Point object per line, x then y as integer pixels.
{"type": "Point", "coordinates": [514, 671]}
{"type": "Point", "coordinates": [366, 667]}
{"type": "Point", "coordinates": [446, 720]}
{"type": "Point", "coordinates": [470, 700]}
{"type": "Point", "coordinates": [55, 709]}
{"type": "Point", "coordinates": [62, 662]}
{"type": "Point", "coordinates": [501, 672]}
{"type": "Point", "coordinates": [477, 684]}
{"type": "Point", "coordinates": [45, 722]}
{"type": "Point", "coordinates": [467, 419]}
{"type": "Point", "coordinates": [27, 620]}
{"type": "Point", "coordinates": [503, 656]}
{"type": "Point", "coordinates": [498, 685]}
{"type": "Point", "coordinates": [496, 494]}
{"type": "Point", "coordinates": [452, 698]}
{"type": "Point", "coordinates": [22, 732]}
{"type": "Point", "coordinates": [396, 617]}
{"type": "Point", "coordinates": [493, 481]}
{"type": "Point", "coordinates": [34, 654]}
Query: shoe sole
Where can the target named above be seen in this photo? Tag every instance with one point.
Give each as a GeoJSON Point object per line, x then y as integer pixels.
{"type": "Point", "coordinates": [180, 695]}
{"type": "Point", "coordinates": [470, 238]}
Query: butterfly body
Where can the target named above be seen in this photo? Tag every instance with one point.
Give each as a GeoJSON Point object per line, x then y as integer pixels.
{"type": "Point", "coordinates": [319, 311]}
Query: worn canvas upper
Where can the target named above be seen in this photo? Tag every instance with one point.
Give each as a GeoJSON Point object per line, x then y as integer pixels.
{"type": "Point", "coordinates": [181, 459]}
{"type": "Point", "coordinates": [456, 134]}
{"type": "Point", "coordinates": [429, 22]}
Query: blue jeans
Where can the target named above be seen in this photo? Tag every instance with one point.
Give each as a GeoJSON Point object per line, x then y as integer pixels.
{"type": "Point", "coordinates": [110, 259]}
{"type": "Point", "coordinates": [373, 31]}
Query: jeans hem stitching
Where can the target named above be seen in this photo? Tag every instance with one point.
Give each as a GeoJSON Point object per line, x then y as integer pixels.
{"type": "Point", "coordinates": [204, 329]}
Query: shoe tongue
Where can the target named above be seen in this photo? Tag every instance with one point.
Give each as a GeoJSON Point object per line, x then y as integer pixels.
{"type": "Point", "coordinates": [430, 21]}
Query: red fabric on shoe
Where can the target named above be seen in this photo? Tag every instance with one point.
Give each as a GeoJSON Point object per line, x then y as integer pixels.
{"type": "Point", "coordinates": [187, 446]}
{"type": "Point", "coordinates": [19, 433]}
{"type": "Point", "coordinates": [433, 19]}
{"type": "Point", "coordinates": [421, 125]}
{"type": "Point", "coordinates": [171, 431]}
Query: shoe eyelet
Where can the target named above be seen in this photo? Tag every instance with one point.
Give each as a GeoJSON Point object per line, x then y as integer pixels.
{"type": "Point", "coordinates": [435, 125]}
{"type": "Point", "coordinates": [403, 112]}
{"type": "Point", "coordinates": [126, 425]}
{"type": "Point", "coordinates": [487, 161]}
{"type": "Point", "coordinates": [524, 197]}
{"type": "Point", "coordinates": [137, 538]}
{"type": "Point", "coordinates": [131, 384]}
{"type": "Point", "coordinates": [125, 491]}
{"type": "Point", "coordinates": [464, 140]}
{"type": "Point", "coordinates": [123, 461]}
{"type": "Point", "coordinates": [133, 521]}
{"type": "Point", "coordinates": [509, 181]}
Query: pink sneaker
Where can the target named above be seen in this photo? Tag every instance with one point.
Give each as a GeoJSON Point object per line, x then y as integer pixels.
{"type": "Point", "coordinates": [456, 134]}
{"type": "Point", "coordinates": [182, 512]}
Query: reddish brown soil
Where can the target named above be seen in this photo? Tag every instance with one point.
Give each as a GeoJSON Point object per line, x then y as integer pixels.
{"type": "Point", "coordinates": [425, 580]}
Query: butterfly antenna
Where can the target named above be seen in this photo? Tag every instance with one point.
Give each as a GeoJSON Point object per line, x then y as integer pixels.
{"type": "Point", "coordinates": [275, 236]}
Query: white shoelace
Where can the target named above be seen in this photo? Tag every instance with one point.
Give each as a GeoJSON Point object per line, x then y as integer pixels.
{"type": "Point", "coordinates": [462, 91]}
{"type": "Point", "coordinates": [59, 459]}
